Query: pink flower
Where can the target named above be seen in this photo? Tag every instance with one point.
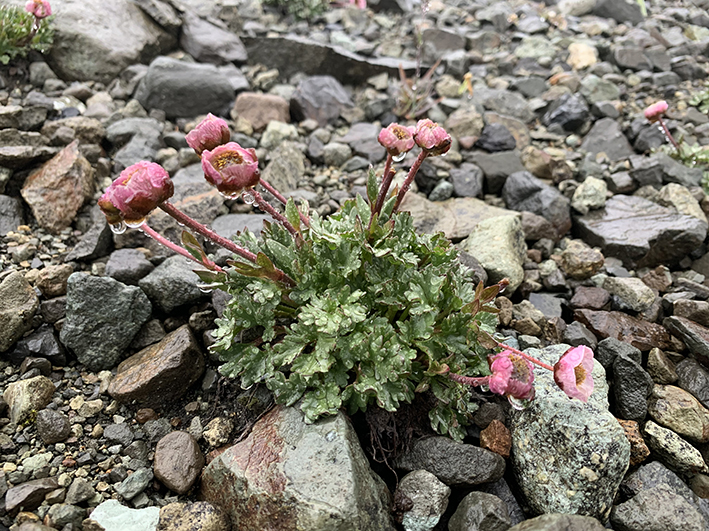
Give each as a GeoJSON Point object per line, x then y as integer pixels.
{"type": "Point", "coordinates": [38, 8]}
{"type": "Point", "coordinates": [572, 373]}
{"type": "Point", "coordinates": [137, 191]}
{"type": "Point", "coordinates": [208, 134]}
{"type": "Point", "coordinates": [397, 139]}
{"type": "Point", "coordinates": [655, 111]}
{"type": "Point", "coordinates": [512, 376]}
{"type": "Point", "coordinates": [431, 137]}
{"type": "Point", "coordinates": [231, 168]}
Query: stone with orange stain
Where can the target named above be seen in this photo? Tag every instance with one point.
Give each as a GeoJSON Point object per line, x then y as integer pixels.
{"type": "Point", "coordinates": [291, 475]}
{"type": "Point", "coordinates": [638, 449]}
{"type": "Point", "coordinates": [496, 438]}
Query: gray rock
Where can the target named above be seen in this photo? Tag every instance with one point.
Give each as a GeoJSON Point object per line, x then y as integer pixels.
{"type": "Point", "coordinates": [52, 426]}
{"type": "Point", "coordinates": [319, 468]}
{"type": "Point", "coordinates": [606, 137]}
{"type": "Point", "coordinates": [139, 138]}
{"type": "Point", "coordinates": [229, 224]}
{"type": "Point", "coordinates": [631, 57]}
{"type": "Point", "coordinates": [453, 463]}
{"type": "Point", "coordinates": [496, 137]}
{"type": "Point", "coordinates": [696, 337]}
{"type": "Point", "coordinates": [128, 266]}
{"type": "Point", "coordinates": [336, 154]}
{"type": "Point", "coordinates": [498, 244]}
{"type": "Point", "coordinates": [577, 334]}
{"type": "Point", "coordinates": [662, 169]}
{"type": "Point", "coordinates": [102, 317]}
{"type": "Point", "coordinates": [568, 456]}
{"type": "Point", "coordinates": [497, 167]}
{"type": "Point", "coordinates": [42, 342]}
{"type": "Point", "coordinates": [506, 102]}
{"type": "Point", "coordinates": [570, 113]}
{"type": "Point", "coordinates": [674, 451]}
{"type": "Point", "coordinates": [26, 396]}
{"type": "Point", "coordinates": [442, 191]}
{"type": "Point", "coordinates": [178, 461]}
{"type": "Point", "coordinates": [11, 215]}
{"type": "Point", "coordinates": [524, 192]}
{"type": "Point", "coordinates": [634, 293]}
{"type": "Point", "coordinates": [559, 522]}
{"type": "Point", "coordinates": [183, 89]}
{"type": "Point", "coordinates": [610, 348]}
{"type": "Point", "coordinates": [428, 498]}
{"type": "Point", "coordinates": [277, 133]}
{"type": "Point", "coordinates": [79, 491]}
{"type": "Point", "coordinates": [18, 304]}
{"type": "Point", "coordinates": [632, 387]}
{"type": "Point", "coordinates": [119, 434]}
{"type": "Point", "coordinates": [590, 195]}
{"type": "Point", "coordinates": [162, 13]}
{"type": "Point", "coordinates": [63, 514]}
{"type": "Point", "coordinates": [619, 10]}
{"type": "Point", "coordinates": [640, 232]}
{"type": "Point", "coordinates": [480, 510]}
{"type": "Point", "coordinates": [134, 484]}
{"type": "Point", "coordinates": [94, 243]}
{"type": "Point", "coordinates": [362, 138]}
{"type": "Point", "coordinates": [112, 516]}
{"type": "Point", "coordinates": [28, 495]}
{"type": "Point", "coordinates": [208, 43]}
{"type": "Point", "coordinates": [694, 378]}
{"type": "Point", "coordinates": [286, 168]}
{"type": "Point", "coordinates": [657, 508]}
{"type": "Point", "coordinates": [321, 98]}
{"type": "Point", "coordinates": [172, 284]}
{"type": "Point", "coordinates": [467, 180]}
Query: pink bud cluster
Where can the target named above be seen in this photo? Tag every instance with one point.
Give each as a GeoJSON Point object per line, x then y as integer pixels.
{"type": "Point", "coordinates": [655, 111]}
{"type": "Point", "coordinates": [428, 135]}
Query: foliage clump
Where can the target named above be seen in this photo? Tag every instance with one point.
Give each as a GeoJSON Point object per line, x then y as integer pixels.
{"type": "Point", "coordinates": [17, 35]}
{"type": "Point", "coordinates": [377, 314]}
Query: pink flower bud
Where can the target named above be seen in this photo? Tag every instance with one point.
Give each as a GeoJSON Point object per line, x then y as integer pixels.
{"type": "Point", "coordinates": [38, 8]}
{"type": "Point", "coordinates": [655, 111]}
{"type": "Point", "coordinates": [208, 134]}
{"type": "Point", "coordinates": [397, 139]}
{"type": "Point", "coordinates": [572, 373]}
{"type": "Point", "coordinates": [432, 138]}
{"type": "Point", "coordinates": [137, 191]}
{"type": "Point", "coordinates": [231, 168]}
{"type": "Point", "coordinates": [512, 376]}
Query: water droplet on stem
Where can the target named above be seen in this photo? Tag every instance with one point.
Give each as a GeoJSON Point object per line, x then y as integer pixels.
{"type": "Point", "coordinates": [248, 198]}
{"type": "Point", "coordinates": [399, 157]}
{"type": "Point", "coordinates": [118, 228]}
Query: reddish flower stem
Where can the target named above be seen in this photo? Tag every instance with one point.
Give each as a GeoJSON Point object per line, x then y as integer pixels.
{"type": "Point", "coordinates": [410, 178]}
{"type": "Point", "coordinates": [387, 177]}
{"type": "Point", "coordinates": [174, 247]}
{"type": "Point", "coordinates": [525, 356]}
{"type": "Point", "coordinates": [468, 380]}
{"type": "Point", "coordinates": [278, 195]}
{"type": "Point", "coordinates": [275, 214]}
{"type": "Point", "coordinates": [667, 133]}
{"type": "Point", "coordinates": [187, 221]}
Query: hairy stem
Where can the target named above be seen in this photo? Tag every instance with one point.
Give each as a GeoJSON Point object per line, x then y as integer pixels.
{"type": "Point", "coordinates": [468, 380]}
{"type": "Point", "coordinates": [668, 134]}
{"type": "Point", "coordinates": [525, 356]}
{"type": "Point", "coordinates": [278, 195]}
{"type": "Point", "coordinates": [275, 214]}
{"type": "Point", "coordinates": [387, 177]}
{"type": "Point", "coordinates": [174, 247]}
{"type": "Point", "coordinates": [410, 178]}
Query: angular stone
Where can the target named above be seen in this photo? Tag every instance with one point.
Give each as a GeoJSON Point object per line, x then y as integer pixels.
{"type": "Point", "coordinates": [27, 396]}
{"type": "Point", "coordinates": [497, 167]}
{"type": "Point", "coordinates": [29, 495]}
{"type": "Point", "coordinates": [480, 510]}
{"type": "Point", "coordinates": [200, 516]}
{"type": "Point", "coordinates": [619, 10]}
{"type": "Point", "coordinates": [674, 451]}
{"type": "Point", "coordinates": [453, 463]}
{"type": "Point", "coordinates": [632, 387]}
{"type": "Point", "coordinates": [320, 98]}
{"type": "Point", "coordinates": [18, 304]}
{"type": "Point", "coordinates": [559, 522]}
{"type": "Point", "coordinates": [522, 191]}
{"type": "Point", "coordinates": [638, 449]}
{"type": "Point", "coordinates": [112, 516]}
{"type": "Point", "coordinates": [676, 409]}
{"type": "Point", "coordinates": [641, 334]}
{"type": "Point", "coordinates": [259, 109]}
{"type": "Point", "coordinates": [178, 461]}
{"type": "Point", "coordinates": [427, 496]}
{"type": "Point", "coordinates": [640, 232]}
{"type": "Point", "coordinates": [580, 262]}
{"type": "Point", "coordinates": [696, 337]}
{"type": "Point", "coordinates": [102, 317]}
{"type": "Point", "coordinates": [172, 284]}
{"type": "Point", "coordinates": [606, 137]}
{"type": "Point", "coordinates": [660, 367]}
{"type": "Point", "coordinates": [694, 378]}
{"type": "Point", "coordinates": [57, 190]}
{"type": "Point", "coordinates": [208, 43]}
{"type": "Point", "coordinates": [128, 266]}
{"type": "Point", "coordinates": [657, 508]}
{"type": "Point", "coordinates": [467, 180]}
{"type": "Point", "coordinates": [52, 426]}
{"type": "Point", "coordinates": [318, 468]}
{"type": "Point", "coordinates": [592, 298]}
{"type": "Point", "coordinates": [134, 484]}
{"type": "Point", "coordinates": [634, 293]}
{"type": "Point", "coordinates": [161, 372]}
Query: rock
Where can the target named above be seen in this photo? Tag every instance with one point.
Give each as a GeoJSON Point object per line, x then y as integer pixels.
{"type": "Point", "coordinates": [581, 470]}
{"type": "Point", "coordinates": [596, 89]}
{"type": "Point", "coordinates": [631, 57]}
{"type": "Point", "coordinates": [18, 304]}
{"type": "Point", "coordinates": [318, 467]}
{"type": "Point", "coordinates": [96, 242]}
{"type": "Point", "coordinates": [28, 495]}
{"type": "Point", "coordinates": [52, 280]}
{"type": "Point", "coordinates": [57, 190]}
{"type": "Point", "coordinates": [580, 262]}
{"type": "Point", "coordinates": [496, 137]}
{"type": "Point", "coordinates": [140, 139]}
{"type": "Point", "coordinates": [52, 426]}
{"type": "Point", "coordinates": [102, 317]}
{"type": "Point", "coordinates": [570, 113]}
{"type": "Point", "coordinates": [638, 449]}
{"type": "Point", "coordinates": [178, 461]}
{"type": "Point", "coordinates": [577, 334]}
{"type": "Point", "coordinates": [620, 11]}
{"type": "Point", "coordinates": [660, 367]}
{"type": "Point", "coordinates": [118, 434]}
{"type": "Point", "coordinates": [183, 89]}
{"type": "Point", "coordinates": [497, 167]}
{"type": "Point", "coordinates": [479, 510]}
{"type": "Point", "coordinates": [641, 334]}
{"type": "Point", "coordinates": [606, 137]}
{"type": "Point", "coordinates": [286, 168]}
{"type": "Point", "coordinates": [25, 397]}
{"type": "Point", "coordinates": [678, 197]}
{"type": "Point", "coordinates": [362, 138]}
{"type": "Point", "coordinates": [161, 372]}
{"type": "Point", "coordinates": [11, 215]}
{"type": "Point", "coordinates": [200, 516]}
{"type": "Point", "coordinates": [208, 43]}
{"type": "Point", "coordinates": [428, 499]}
{"type": "Point", "coordinates": [559, 522]}
{"type": "Point", "coordinates": [524, 192]}
{"type": "Point", "coordinates": [134, 484]}
{"type": "Point", "coordinates": [581, 54]}
{"type": "Point", "coordinates": [657, 508]}
{"type": "Point", "coordinates": [506, 102]}
{"type": "Point", "coordinates": [694, 378]}
{"type": "Point", "coordinates": [498, 244]}
{"type": "Point", "coordinates": [641, 233]}
{"type": "Point", "coordinates": [260, 109]}
{"type": "Point", "coordinates": [465, 122]}
{"type": "Point", "coordinates": [320, 98]}
{"type": "Point", "coordinates": [87, 130]}
{"type": "Point", "coordinates": [696, 337]}
{"type": "Point", "coordinates": [112, 516]}
{"type": "Point", "coordinates": [674, 451]}
{"type": "Point", "coordinates": [218, 431]}
{"type": "Point", "coordinates": [661, 169]}
{"type": "Point", "coordinates": [467, 180]}
{"type": "Point", "coordinates": [679, 411]}
{"type": "Point", "coordinates": [590, 195]}
{"type": "Point", "coordinates": [591, 298]}
{"type": "Point", "coordinates": [42, 342]}
{"type": "Point", "coordinates": [632, 291]}
{"type": "Point", "coordinates": [79, 491]}
{"type": "Point", "coordinates": [632, 387]}
{"type": "Point", "coordinates": [453, 463]}
{"type": "Point", "coordinates": [172, 284]}
{"type": "Point", "coordinates": [128, 266]}
{"type": "Point", "coordinates": [62, 514]}
{"type": "Point", "coordinates": [610, 348]}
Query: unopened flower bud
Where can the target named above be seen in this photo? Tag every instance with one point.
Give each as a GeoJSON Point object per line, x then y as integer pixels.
{"type": "Point", "coordinates": [655, 111]}
{"type": "Point", "coordinates": [512, 376]}
{"type": "Point", "coordinates": [38, 8]}
{"type": "Point", "coordinates": [572, 373]}
{"type": "Point", "coordinates": [432, 138]}
{"type": "Point", "coordinates": [208, 134]}
{"type": "Point", "coordinates": [397, 139]}
{"type": "Point", "coordinates": [231, 168]}
{"type": "Point", "coordinates": [138, 191]}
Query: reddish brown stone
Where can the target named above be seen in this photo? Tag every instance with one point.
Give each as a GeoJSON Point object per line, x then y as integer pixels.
{"type": "Point", "coordinates": [640, 334]}
{"type": "Point", "coordinates": [59, 188]}
{"type": "Point", "coordinates": [259, 109]}
{"type": "Point", "coordinates": [638, 449]}
{"type": "Point", "coordinates": [591, 298]}
{"type": "Point", "coordinates": [52, 280]}
{"type": "Point", "coordinates": [658, 279]}
{"type": "Point", "coordinates": [496, 438]}
{"type": "Point", "coordinates": [178, 461]}
{"type": "Point", "coordinates": [145, 414]}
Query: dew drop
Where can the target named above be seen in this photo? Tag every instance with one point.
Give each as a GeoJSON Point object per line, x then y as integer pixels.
{"type": "Point", "coordinates": [399, 157]}
{"type": "Point", "coordinates": [518, 403]}
{"type": "Point", "coordinates": [248, 198]}
{"type": "Point", "coordinates": [247, 388]}
{"type": "Point", "coordinates": [205, 289]}
{"type": "Point", "coordinates": [135, 224]}
{"type": "Point", "coordinates": [444, 154]}
{"type": "Point", "coordinates": [118, 228]}
{"type": "Point", "coordinates": [484, 388]}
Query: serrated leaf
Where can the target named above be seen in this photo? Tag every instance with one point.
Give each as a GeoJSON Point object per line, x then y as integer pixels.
{"type": "Point", "coordinates": [372, 189]}
{"type": "Point", "coordinates": [292, 214]}
{"type": "Point", "coordinates": [193, 247]}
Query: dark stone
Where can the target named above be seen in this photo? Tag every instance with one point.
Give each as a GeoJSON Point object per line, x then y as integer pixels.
{"type": "Point", "coordinates": [593, 298]}
{"type": "Point", "coordinates": [28, 495]}
{"type": "Point", "coordinates": [577, 334]}
{"type": "Point", "coordinates": [695, 336]}
{"type": "Point", "coordinates": [631, 57]}
{"type": "Point", "coordinates": [619, 10]}
{"type": "Point", "coordinates": [621, 326]}
{"type": "Point", "coordinates": [52, 426]}
{"type": "Point", "coordinates": [662, 169]}
{"type": "Point", "coordinates": [522, 191]}
{"type": "Point", "coordinates": [631, 386]}
{"type": "Point", "coordinates": [53, 310]}
{"type": "Point", "coordinates": [610, 348]}
{"type": "Point", "coordinates": [496, 137]}
{"type": "Point", "coordinates": [172, 284]}
{"type": "Point", "coordinates": [570, 113]}
{"type": "Point", "coordinates": [467, 180]}
{"type": "Point", "coordinates": [41, 343]}
{"type": "Point", "coordinates": [128, 266]}
{"type": "Point", "coordinates": [607, 137]}
{"type": "Point", "coordinates": [657, 508]}
{"type": "Point", "coordinates": [321, 98]}
{"type": "Point", "coordinates": [649, 138]}
{"type": "Point", "coordinates": [641, 233]}
{"type": "Point", "coordinates": [694, 379]}
{"type": "Point", "coordinates": [208, 43]}
{"type": "Point", "coordinates": [550, 305]}
{"type": "Point", "coordinates": [497, 167]}
{"type": "Point", "coordinates": [362, 138]}
{"type": "Point", "coordinates": [11, 215]}
{"type": "Point", "coordinates": [119, 434]}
